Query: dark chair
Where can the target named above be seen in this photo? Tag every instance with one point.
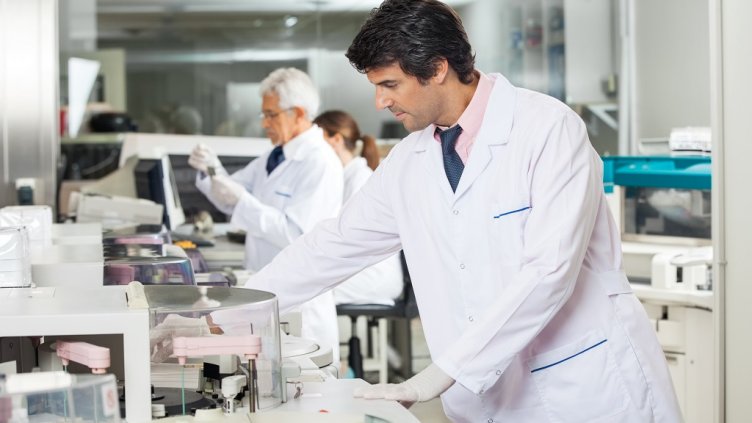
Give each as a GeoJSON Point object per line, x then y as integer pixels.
{"type": "Point", "coordinates": [401, 313]}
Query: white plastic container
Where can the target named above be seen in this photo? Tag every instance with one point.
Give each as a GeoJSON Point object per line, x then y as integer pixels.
{"type": "Point", "coordinates": [37, 219]}
{"type": "Point", "coordinates": [58, 396]}
{"type": "Point", "coordinates": [15, 262]}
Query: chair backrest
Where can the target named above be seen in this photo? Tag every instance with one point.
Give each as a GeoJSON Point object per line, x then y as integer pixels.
{"type": "Point", "coordinates": [408, 295]}
{"type": "Point", "coordinates": [404, 307]}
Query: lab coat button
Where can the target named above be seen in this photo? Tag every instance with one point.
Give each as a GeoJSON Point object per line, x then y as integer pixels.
{"type": "Point", "coordinates": [455, 212]}
{"type": "Point", "coordinates": [470, 318]}
{"type": "Point", "coordinates": [498, 373]}
{"type": "Point", "coordinates": [490, 420]}
{"type": "Point", "coordinates": [462, 265]}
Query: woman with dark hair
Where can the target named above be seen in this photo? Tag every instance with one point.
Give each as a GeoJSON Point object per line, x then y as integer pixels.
{"type": "Point", "coordinates": [382, 282]}
{"type": "Point", "coordinates": [342, 133]}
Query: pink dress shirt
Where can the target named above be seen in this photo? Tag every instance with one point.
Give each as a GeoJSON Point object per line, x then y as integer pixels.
{"type": "Point", "coordinates": [472, 117]}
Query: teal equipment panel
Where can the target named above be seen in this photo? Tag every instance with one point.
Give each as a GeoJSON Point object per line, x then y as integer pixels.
{"type": "Point", "coordinates": [682, 172]}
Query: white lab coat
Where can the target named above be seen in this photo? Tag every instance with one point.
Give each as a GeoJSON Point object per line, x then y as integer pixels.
{"type": "Point", "coordinates": [517, 275]}
{"type": "Point", "coordinates": [277, 208]}
{"type": "Point", "coordinates": [382, 282]}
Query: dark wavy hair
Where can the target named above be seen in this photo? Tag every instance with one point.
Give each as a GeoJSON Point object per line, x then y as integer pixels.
{"type": "Point", "coordinates": [415, 34]}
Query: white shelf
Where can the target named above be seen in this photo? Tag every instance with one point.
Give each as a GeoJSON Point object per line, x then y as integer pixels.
{"type": "Point", "coordinates": [700, 299]}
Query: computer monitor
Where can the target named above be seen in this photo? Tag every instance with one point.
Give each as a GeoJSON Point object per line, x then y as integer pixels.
{"type": "Point", "coordinates": [234, 153]}
{"type": "Point", "coordinates": [194, 201]}
{"type": "Point", "coordinates": [155, 167]}
{"type": "Point", "coordinates": [155, 181]}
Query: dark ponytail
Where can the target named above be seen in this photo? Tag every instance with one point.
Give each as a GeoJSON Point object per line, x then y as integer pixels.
{"type": "Point", "coordinates": [370, 151]}
{"type": "Point", "coordinates": [339, 122]}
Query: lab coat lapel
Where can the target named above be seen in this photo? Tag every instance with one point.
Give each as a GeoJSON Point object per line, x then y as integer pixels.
{"type": "Point", "coordinates": [493, 134]}
{"type": "Point", "coordinates": [299, 152]}
{"type": "Point", "coordinates": [428, 151]}
{"type": "Point", "coordinates": [279, 170]}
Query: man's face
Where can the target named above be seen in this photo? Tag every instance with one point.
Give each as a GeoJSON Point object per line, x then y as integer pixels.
{"type": "Point", "coordinates": [414, 104]}
{"type": "Point", "coordinates": [280, 124]}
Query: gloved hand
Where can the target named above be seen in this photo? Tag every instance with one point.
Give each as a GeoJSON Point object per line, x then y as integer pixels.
{"type": "Point", "coordinates": [202, 157]}
{"type": "Point", "coordinates": [426, 385]}
{"type": "Point", "coordinates": [173, 326]}
{"type": "Point", "coordinates": [226, 191]}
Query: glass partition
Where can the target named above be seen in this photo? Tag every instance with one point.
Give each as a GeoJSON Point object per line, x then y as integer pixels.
{"type": "Point", "coordinates": [193, 67]}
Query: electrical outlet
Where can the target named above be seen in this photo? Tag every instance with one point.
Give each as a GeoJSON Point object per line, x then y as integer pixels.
{"type": "Point", "coordinates": [10, 350]}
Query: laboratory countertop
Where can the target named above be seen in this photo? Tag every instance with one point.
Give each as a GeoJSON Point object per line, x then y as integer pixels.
{"type": "Point", "coordinates": [320, 402]}
{"type": "Point", "coordinates": [53, 311]}
{"type": "Point", "coordinates": [335, 397]}
{"type": "Point", "coordinates": [699, 299]}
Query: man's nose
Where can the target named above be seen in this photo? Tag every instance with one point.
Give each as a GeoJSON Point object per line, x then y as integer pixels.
{"type": "Point", "coordinates": [382, 100]}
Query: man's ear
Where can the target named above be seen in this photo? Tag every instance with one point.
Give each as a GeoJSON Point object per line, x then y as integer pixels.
{"type": "Point", "coordinates": [299, 112]}
{"type": "Point", "coordinates": [441, 70]}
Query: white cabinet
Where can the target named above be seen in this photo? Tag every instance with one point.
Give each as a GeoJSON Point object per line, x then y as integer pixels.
{"type": "Point", "coordinates": [686, 336]}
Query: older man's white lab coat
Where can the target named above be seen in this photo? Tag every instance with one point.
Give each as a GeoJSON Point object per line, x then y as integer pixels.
{"type": "Point", "coordinates": [517, 274]}
{"type": "Point", "coordinates": [277, 208]}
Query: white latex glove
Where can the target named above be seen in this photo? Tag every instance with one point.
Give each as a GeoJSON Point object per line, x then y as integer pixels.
{"type": "Point", "coordinates": [173, 326]}
{"type": "Point", "coordinates": [202, 157]}
{"type": "Point", "coordinates": [426, 385]}
{"type": "Point", "coordinates": [226, 191]}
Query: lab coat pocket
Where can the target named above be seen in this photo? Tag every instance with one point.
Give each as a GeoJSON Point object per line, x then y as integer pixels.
{"type": "Point", "coordinates": [507, 229]}
{"type": "Point", "coordinates": [282, 196]}
{"type": "Point", "coordinates": [580, 382]}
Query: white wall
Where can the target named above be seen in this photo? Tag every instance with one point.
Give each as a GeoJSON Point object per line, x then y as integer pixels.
{"type": "Point", "coordinates": [488, 23]}
{"type": "Point", "coordinates": [732, 67]}
{"type": "Point", "coordinates": [29, 142]}
{"type": "Point", "coordinates": [589, 44]}
{"type": "Point", "coordinates": [78, 25]}
{"type": "Point", "coordinates": [343, 88]}
{"type": "Point", "coordinates": [671, 53]}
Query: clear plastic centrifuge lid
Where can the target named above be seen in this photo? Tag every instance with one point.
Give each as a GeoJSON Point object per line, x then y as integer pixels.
{"type": "Point", "coordinates": [191, 326]}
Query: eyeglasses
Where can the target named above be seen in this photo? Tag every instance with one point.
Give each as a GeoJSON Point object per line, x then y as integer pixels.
{"type": "Point", "coordinates": [272, 115]}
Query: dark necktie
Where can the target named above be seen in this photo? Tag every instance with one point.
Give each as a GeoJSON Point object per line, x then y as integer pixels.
{"type": "Point", "coordinates": [275, 158]}
{"type": "Point", "coordinates": [453, 165]}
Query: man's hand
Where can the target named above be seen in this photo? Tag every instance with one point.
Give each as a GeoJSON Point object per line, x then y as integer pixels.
{"type": "Point", "coordinates": [226, 191]}
{"type": "Point", "coordinates": [203, 157]}
{"type": "Point", "coordinates": [173, 326]}
{"type": "Point", "coordinates": [426, 385]}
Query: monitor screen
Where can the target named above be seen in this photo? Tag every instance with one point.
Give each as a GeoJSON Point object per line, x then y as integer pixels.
{"type": "Point", "coordinates": [156, 182]}
{"type": "Point", "coordinates": [194, 201]}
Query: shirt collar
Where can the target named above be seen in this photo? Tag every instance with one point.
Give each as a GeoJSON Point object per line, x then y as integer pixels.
{"type": "Point", "coordinates": [472, 117]}
{"type": "Point", "coordinates": [499, 110]}
{"type": "Point", "coordinates": [296, 148]}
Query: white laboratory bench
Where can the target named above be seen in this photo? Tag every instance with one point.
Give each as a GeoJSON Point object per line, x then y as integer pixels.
{"type": "Point", "coordinates": [335, 397]}
{"type": "Point", "coordinates": [49, 311]}
{"type": "Point", "coordinates": [321, 402]}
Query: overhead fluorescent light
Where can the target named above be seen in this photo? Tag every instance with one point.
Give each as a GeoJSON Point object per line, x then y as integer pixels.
{"type": "Point", "coordinates": [290, 21]}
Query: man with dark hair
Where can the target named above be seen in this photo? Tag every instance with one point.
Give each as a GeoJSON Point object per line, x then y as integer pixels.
{"type": "Point", "coordinates": [497, 201]}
